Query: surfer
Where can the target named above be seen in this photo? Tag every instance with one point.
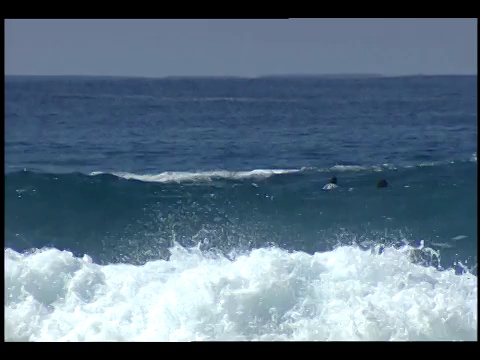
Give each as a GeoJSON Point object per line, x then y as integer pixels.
{"type": "Point", "coordinates": [332, 184]}
{"type": "Point", "coordinates": [382, 184]}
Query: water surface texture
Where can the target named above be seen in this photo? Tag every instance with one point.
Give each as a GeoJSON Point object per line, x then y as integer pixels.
{"type": "Point", "coordinates": [192, 209]}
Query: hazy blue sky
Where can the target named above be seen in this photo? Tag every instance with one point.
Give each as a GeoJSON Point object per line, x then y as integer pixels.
{"type": "Point", "coordinates": [240, 47]}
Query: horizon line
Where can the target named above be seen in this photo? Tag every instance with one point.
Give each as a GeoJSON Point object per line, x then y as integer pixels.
{"type": "Point", "coordinates": [285, 75]}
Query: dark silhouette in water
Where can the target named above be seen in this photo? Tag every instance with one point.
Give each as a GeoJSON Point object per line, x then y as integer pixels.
{"type": "Point", "coordinates": [332, 184]}
{"type": "Point", "coordinates": [382, 184]}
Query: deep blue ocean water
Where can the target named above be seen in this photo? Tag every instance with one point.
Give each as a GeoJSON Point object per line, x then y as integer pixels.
{"type": "Point", "coordinates": [182, 180]}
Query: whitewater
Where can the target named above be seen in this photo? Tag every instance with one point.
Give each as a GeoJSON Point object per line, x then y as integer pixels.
{"type": "Point", "coordinates": [347, 293]}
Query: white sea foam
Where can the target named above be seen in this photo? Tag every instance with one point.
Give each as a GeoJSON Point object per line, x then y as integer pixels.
{"type": "Point", "coordinates": [355, 168]}
{"type": "Point", "coordinates": [267, 294]}
{"type": "Point", "coordinates": [179, 176]}
{"type": "Point", "coordinates": [342, 168]}
{"type": "Point", "coordinates": [202, 176]}
{"type": "Point", "coordinates": [186, 176]}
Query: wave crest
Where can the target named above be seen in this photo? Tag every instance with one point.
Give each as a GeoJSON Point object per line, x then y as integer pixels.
{"type": "Point", "coordinates": [180, 176]}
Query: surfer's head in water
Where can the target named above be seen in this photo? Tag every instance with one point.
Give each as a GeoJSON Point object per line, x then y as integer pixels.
{"type": "Point", "coordinates": [382, 184]}
{"type": "Point", "coordinates": [332, 184]}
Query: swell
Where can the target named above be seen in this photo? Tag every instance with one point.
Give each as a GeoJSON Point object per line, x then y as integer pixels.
{"type": "Point", "coordinates": [113, 219]}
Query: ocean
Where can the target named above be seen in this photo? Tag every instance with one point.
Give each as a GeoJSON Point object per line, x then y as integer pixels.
{"type": "Point", "coordinates": [193, 209]}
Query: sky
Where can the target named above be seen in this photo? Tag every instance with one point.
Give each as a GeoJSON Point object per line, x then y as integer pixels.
{"type": "Point", "coordinates": [158, 48]}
